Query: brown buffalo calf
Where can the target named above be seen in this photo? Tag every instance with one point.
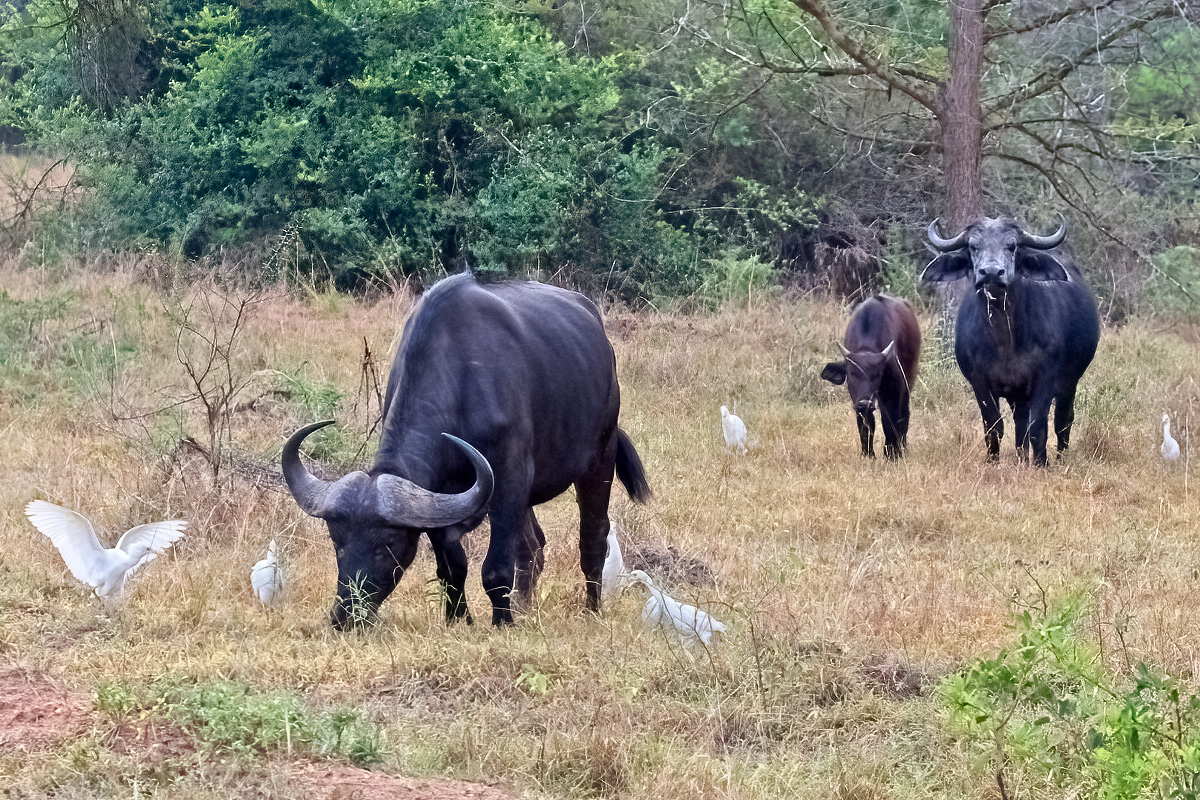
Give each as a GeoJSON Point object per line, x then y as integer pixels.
{"type": "Point", "coordinates": [882, 344]}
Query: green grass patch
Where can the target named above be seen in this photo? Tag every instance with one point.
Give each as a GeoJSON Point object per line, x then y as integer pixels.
{"type": "Point", "coordinates": [228, 718]}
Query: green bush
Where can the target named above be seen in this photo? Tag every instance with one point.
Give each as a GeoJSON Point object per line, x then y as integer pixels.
{"type": "Point", "coordinates": [901, 272]}
{"type": "Point", "coordinates": [1049, 714]}
{"type": "Point", "coordinates": [734, 279]}
{"type": "Point", "coordinates": [392, 137]}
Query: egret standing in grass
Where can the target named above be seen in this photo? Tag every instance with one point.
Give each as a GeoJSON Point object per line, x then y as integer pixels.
{"type": "Point", "coordinates": [266, 578]}
{"type": "Point", "coordinates": [104, 569]}
{"type": "Point", "coordinates": [685, 621]}
{"type": "Point", "coordinates": [613, 577]}
{"type": "Point", "coordinates": [1169, 447]}
{"type": "Point", "coordinates": [734, 431]}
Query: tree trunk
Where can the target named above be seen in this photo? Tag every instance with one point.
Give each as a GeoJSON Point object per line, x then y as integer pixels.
{"type": "Point", "coordinates": [960, 116]}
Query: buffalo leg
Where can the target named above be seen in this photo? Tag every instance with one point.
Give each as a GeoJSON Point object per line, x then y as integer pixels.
{"type": "Point", "coordinates": [1038, 427]}
{"type": "Point", "coordinates": [866, 432]}
{"type": "Point", "coordinates": [592, 493]}
{"type": "Point", "coordinates": [893, 441]}
{"type": "Point", "coordinates": [993, 425]}
{"type": "Point", "coordinates": [499, 565]}
{"type": "Point", "coordinates": [1021, 420]}
{"type": "Point", "coordinates": [530, 559]}
{"type": "Point", "coordinates": [452, 573]}
{"type": "Point", "coordinates": [1064, 417]}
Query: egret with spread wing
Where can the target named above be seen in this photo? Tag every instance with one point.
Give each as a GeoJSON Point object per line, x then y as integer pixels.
{"type": "Point", "coordinates": [103, 569]}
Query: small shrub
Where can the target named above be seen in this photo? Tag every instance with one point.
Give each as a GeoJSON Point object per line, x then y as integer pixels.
{"type": "Point", "coordinates": [1050, 710]}
{"type": "Point", "coordinates": [734, 279]}
{"type": "Point", "coordinates": [533, 680]}
{"type": "Point", "coordinates": [901, 272]}
{"type": "Point", "coordinates": [115, 700]}
{"type": "Point", "coordinates": [315, 399]}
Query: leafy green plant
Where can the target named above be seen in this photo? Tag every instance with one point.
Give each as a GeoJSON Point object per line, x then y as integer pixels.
{"type": "Point", "coordinates": [316, 399]}
{"type": "Point", "coordinates": [734, 279]}
{"type": "Point", "coordinates": [533, 680]}
{"type": "Point", "coordinates": [1051, 710]}
{"type": "Point", "coordinates": [901, 273]}
{"type": "Point", "coordinates": [115, 700]}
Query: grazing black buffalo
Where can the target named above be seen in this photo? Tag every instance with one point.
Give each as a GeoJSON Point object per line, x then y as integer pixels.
{"type": "Point", "coordinates": [882, 345]}
{"type": "Point", "coordinates": [525, 373]}
{"type": "Point", "coordinates": [1026, 333]}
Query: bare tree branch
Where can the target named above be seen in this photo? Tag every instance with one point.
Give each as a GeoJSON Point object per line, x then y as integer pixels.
{"type": "Point", "coordinates": [1051, 78]}
{"type": "Point", "coordinates": [1055, 17]}
{"type": "Point", "coordinates": [858, 51]}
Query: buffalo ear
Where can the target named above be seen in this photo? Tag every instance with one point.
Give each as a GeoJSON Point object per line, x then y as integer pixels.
{"type": "Point", "coordinates": [948, 267]}
{"type": "Point", "coordinates": [834, 372]}
{"type": "Point", "coordinates": [1038, 265]}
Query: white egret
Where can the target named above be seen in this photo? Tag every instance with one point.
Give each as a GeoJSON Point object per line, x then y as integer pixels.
{"type": "Point", "coordinates": [613, 578]}
{"type": "Point", "coordinates": [663, 611]}
{"type": "Point", "coordinates": [104, 569]}
{"type": "Point", "coordinates": [1169, 447]}
{"type": "Point", "coordinates": [266, 578]}
{"type": "Point", "coordinates": [734, 430]}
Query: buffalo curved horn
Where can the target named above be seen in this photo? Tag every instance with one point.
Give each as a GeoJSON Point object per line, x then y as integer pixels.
{"type": "Point", "coordinates": [1036, 242]}
{"type": "Point", "coordinates": [887, 351]}
{"type": "Point", "coordinates": [842, 347]}
{"type": "Point", "coordinates": [405, 504]}
{"type": "Point", "coordinates": [310, 491]}
{"type": "Point", "coordinates": [945, 245]}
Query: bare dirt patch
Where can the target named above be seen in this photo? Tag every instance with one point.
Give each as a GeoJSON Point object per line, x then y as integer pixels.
{"type": "Point", "coordinates": [36, 712]}
{"type": "Point", "coordinates": [890, 677]}
{"type": "Point", "coordinates": [343, 782]}
{"type": "Point", "coordinates": [670, 565]}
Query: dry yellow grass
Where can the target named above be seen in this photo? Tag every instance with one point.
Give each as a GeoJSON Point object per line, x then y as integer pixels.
{"type": "Point", "coordinates": [29, 185]}
{"type": "Point", "coordinates": [831, 570]}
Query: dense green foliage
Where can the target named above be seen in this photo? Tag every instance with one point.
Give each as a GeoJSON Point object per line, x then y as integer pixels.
{"type": "Point", "coordinates": [1049, 714]}
{"type": "Point", "coordinates": [639, 148]}
{"type": "Point", "coordinates": [393, 136]}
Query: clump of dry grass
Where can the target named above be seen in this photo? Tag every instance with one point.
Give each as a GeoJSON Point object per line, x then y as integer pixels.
{"type": "Point", "coordinates": [832, 572]}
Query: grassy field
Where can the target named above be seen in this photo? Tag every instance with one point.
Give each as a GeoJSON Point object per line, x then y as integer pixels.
{"type": "Point", "coordinates": [851, 587]}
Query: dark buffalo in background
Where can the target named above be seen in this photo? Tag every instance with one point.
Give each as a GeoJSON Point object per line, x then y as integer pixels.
{"type": "Point", "coordinates": [881, 349]}
{"type": "Point", "coordinates": [524, 373]}
{"type": "Point", "coordinates": [1027, 329]}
